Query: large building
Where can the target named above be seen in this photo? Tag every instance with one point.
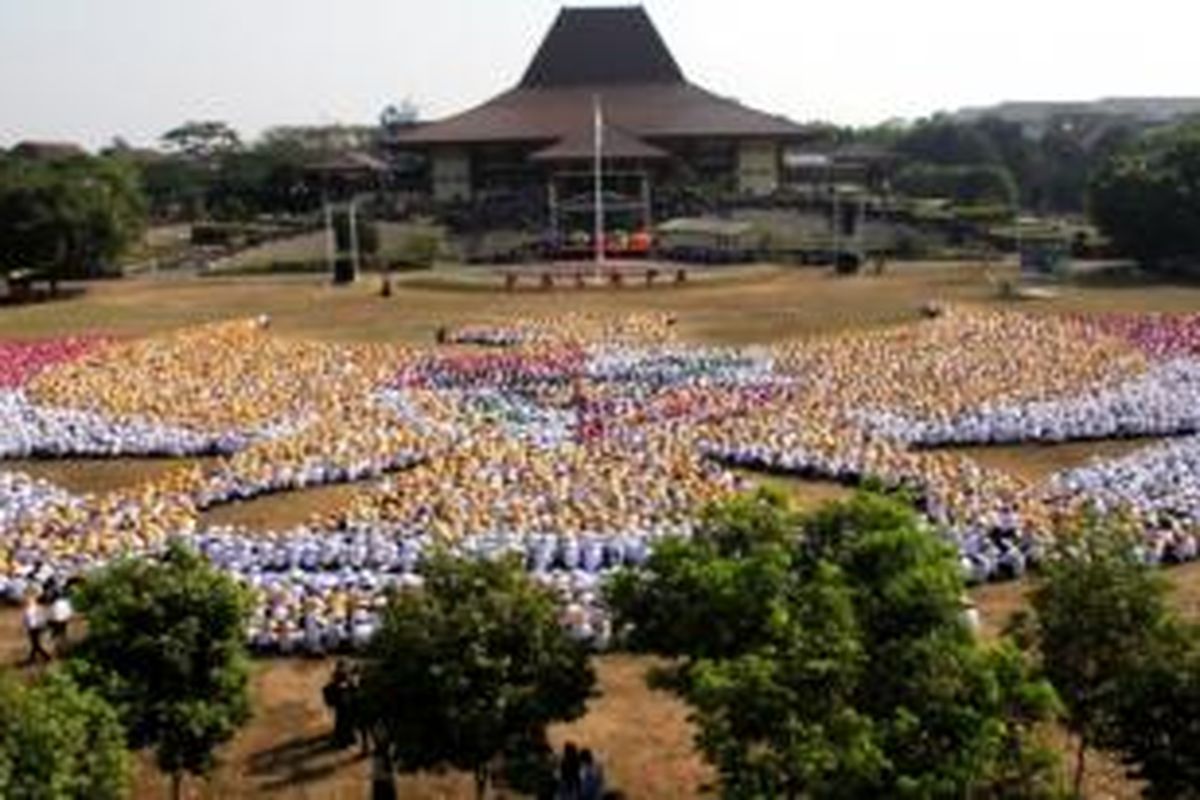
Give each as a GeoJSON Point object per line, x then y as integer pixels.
{"type": "Point", "coordinates": [533, 146]}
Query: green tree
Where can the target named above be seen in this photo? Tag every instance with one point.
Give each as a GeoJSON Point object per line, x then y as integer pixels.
{"type": "Point", "coordinates": [970, 184]}
{"type": "Point", "coordinates": [468, 671]}
{"type": "Point", "coordinates": [165, 645]}
{"type": "Point", "coordinates": [1113, 649]}
{"type": "Point", "coordinates": [202, 139]}
{"type": "Point", "coordinates": [1157, 718]}
{"type": "Point", "coordinates": [72, 217]}
{"type": "Point", "coordinates": [175, 187]}
{"type": "Point", "coordinates": [1146, 198]}
{"type": "Point", "coordinates": [59, 742]}
{"type": "Point", "coordinates": [827, 656]}
{"type": "Point", "coordinates": [268, 178]}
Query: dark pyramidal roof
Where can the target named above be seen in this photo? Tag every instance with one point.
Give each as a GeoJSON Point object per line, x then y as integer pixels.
{"type": "Point", "coordinates": [601, 46]}
{"type": "Point", "coordinates": [616, 55]}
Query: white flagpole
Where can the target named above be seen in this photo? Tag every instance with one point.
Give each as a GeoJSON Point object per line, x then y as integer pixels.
{"type": "Point", "coordinates": [597, 177]}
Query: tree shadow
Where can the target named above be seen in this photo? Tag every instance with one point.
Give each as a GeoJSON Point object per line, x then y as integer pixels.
{"type": "Point", "coordinates": [10, 297]}
{"type": "Point", "coordinates": [300, 760]}
{"type": "Point", "coordinates": [1130, 276]}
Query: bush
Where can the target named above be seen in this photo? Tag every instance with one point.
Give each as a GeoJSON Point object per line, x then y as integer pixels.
{"type": "Point", "coordinates": [58, 740]}
{"type": "Point", "coordinates": [419, 250]}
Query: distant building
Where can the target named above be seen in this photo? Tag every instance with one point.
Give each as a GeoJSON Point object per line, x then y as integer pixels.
{"type": "Point", "coordinates": [47, 151]}
{"type": "Point", "coordinates": [533, 146]}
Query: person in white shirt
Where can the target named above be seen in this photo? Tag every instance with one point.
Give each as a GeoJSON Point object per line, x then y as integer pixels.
{"type": "Point", "coordinates": [34, 619]}
{"type": "Point", "coordinates": [61, 613]}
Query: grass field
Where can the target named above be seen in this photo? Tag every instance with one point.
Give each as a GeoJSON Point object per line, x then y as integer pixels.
{"type": "Point", "coordinates": [311, 247]}
{"type": "Point", "coordinates": [642, 736]}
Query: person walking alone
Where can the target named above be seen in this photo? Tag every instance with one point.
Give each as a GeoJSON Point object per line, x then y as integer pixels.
{"type": "Point", "coordinates": [33, 616]}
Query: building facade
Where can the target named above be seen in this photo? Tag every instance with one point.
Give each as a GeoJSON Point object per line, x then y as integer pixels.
{"type": "Point", "coordinates": [661, 136]}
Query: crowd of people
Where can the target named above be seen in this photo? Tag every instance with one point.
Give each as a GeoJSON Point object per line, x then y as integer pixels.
{"type": "Point", "coordinates": [1160, 484]}
{"type": "Point", "coordinates": [577, 442]}
{"type": "Point", "coordinates": [1160, 336]}
{"type": "Point", "coordinates": [29, 429]}
{"type": "Point", "coordinates": [1162, 401]}
{"type": "Point", "coordinates": [573, 328]}
{"type": "Point", "coordinates": [20, 361]}
{"type": "Point", "coordinates": [319, 591]}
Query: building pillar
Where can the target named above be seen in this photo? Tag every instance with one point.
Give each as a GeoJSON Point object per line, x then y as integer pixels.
{"type": "Point", "coordinates": [552, 202]}
{"type": "Point", "coordinates": [647, 209]}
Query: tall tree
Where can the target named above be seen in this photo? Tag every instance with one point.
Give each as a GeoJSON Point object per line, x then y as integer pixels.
{"type": "Point", "coordinates": [165, 645]}
{"type": "Point", "coordinates": [827, 656]}
{"type": "Point", "coordinates": [468, 671]}
{"type": "Point", "coordinates": [1146, 198]}
{"type": "Point", "coordinates": [1157, 718]}
{"type": "Point", "coordinates": [1111, 646]}
{"type": "Point", "coordinates": [397, 116]}
{"type": "Point", "coordinates": [202, 139]}
{"type": "Point", "coordinates": [72, 216]}
{"type": "Point", "coordinates": [941, 140]}
{"type": "Point", "coordinates": [59, 742]}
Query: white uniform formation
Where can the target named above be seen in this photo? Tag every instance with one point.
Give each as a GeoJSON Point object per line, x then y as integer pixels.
{"type": "Point", "coordinates": [1162, 482]}
{"type": "Point", "coordinates": [577, 445]}
{"type": "Point", "coordinates": [1164, 401]}
{"type": "Point", "coordinates": [31, 430]}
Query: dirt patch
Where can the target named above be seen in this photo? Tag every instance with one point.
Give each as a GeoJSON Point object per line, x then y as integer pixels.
{"type": "Point", "coordinates": [282, 510]}
{"type": "Point", "coordinates": [1036, 462]}
{"type": "Point", "coordinates": [806, 494]}
{"type": "Point", "coordinates": [641, 736]}
{"type": "Point", "coordinates": [83, 475]}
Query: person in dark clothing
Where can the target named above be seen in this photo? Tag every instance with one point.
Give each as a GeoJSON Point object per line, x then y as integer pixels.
{"type": "Point", "coordinates": [568, 773]}
{"type": "Point", "coordinates": [339, 698]}
{"type": "Point", "coordinates": [361, 716]}
{"type": "Point", "coordinates": [591, 777]}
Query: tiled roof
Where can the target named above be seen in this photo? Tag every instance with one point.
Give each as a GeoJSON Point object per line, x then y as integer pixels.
{"type": "Point", "coordinates": [618, 56]}
{"type": "Point", "coordinates": [591, 46]}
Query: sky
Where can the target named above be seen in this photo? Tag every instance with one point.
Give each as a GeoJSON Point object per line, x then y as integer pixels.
{"type": "Point", "coordinates": [89, 70]}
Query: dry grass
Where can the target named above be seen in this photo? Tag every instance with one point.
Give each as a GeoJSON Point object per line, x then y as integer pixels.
{"type": "Point", "coordinates": [643, 736]}
{"type": "Point", "coordinates": [1036, 462]}
{"type": "Point", "coordinates": [282, 510]}
{"type": "Point", "coordinates": [96, 474]}
{"type": "Point", "coordinates": [770, 304]}
{"type": "Point", "coordinates": [805, 494]}
{"type": "Point", "coordinates": [393, 238]}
